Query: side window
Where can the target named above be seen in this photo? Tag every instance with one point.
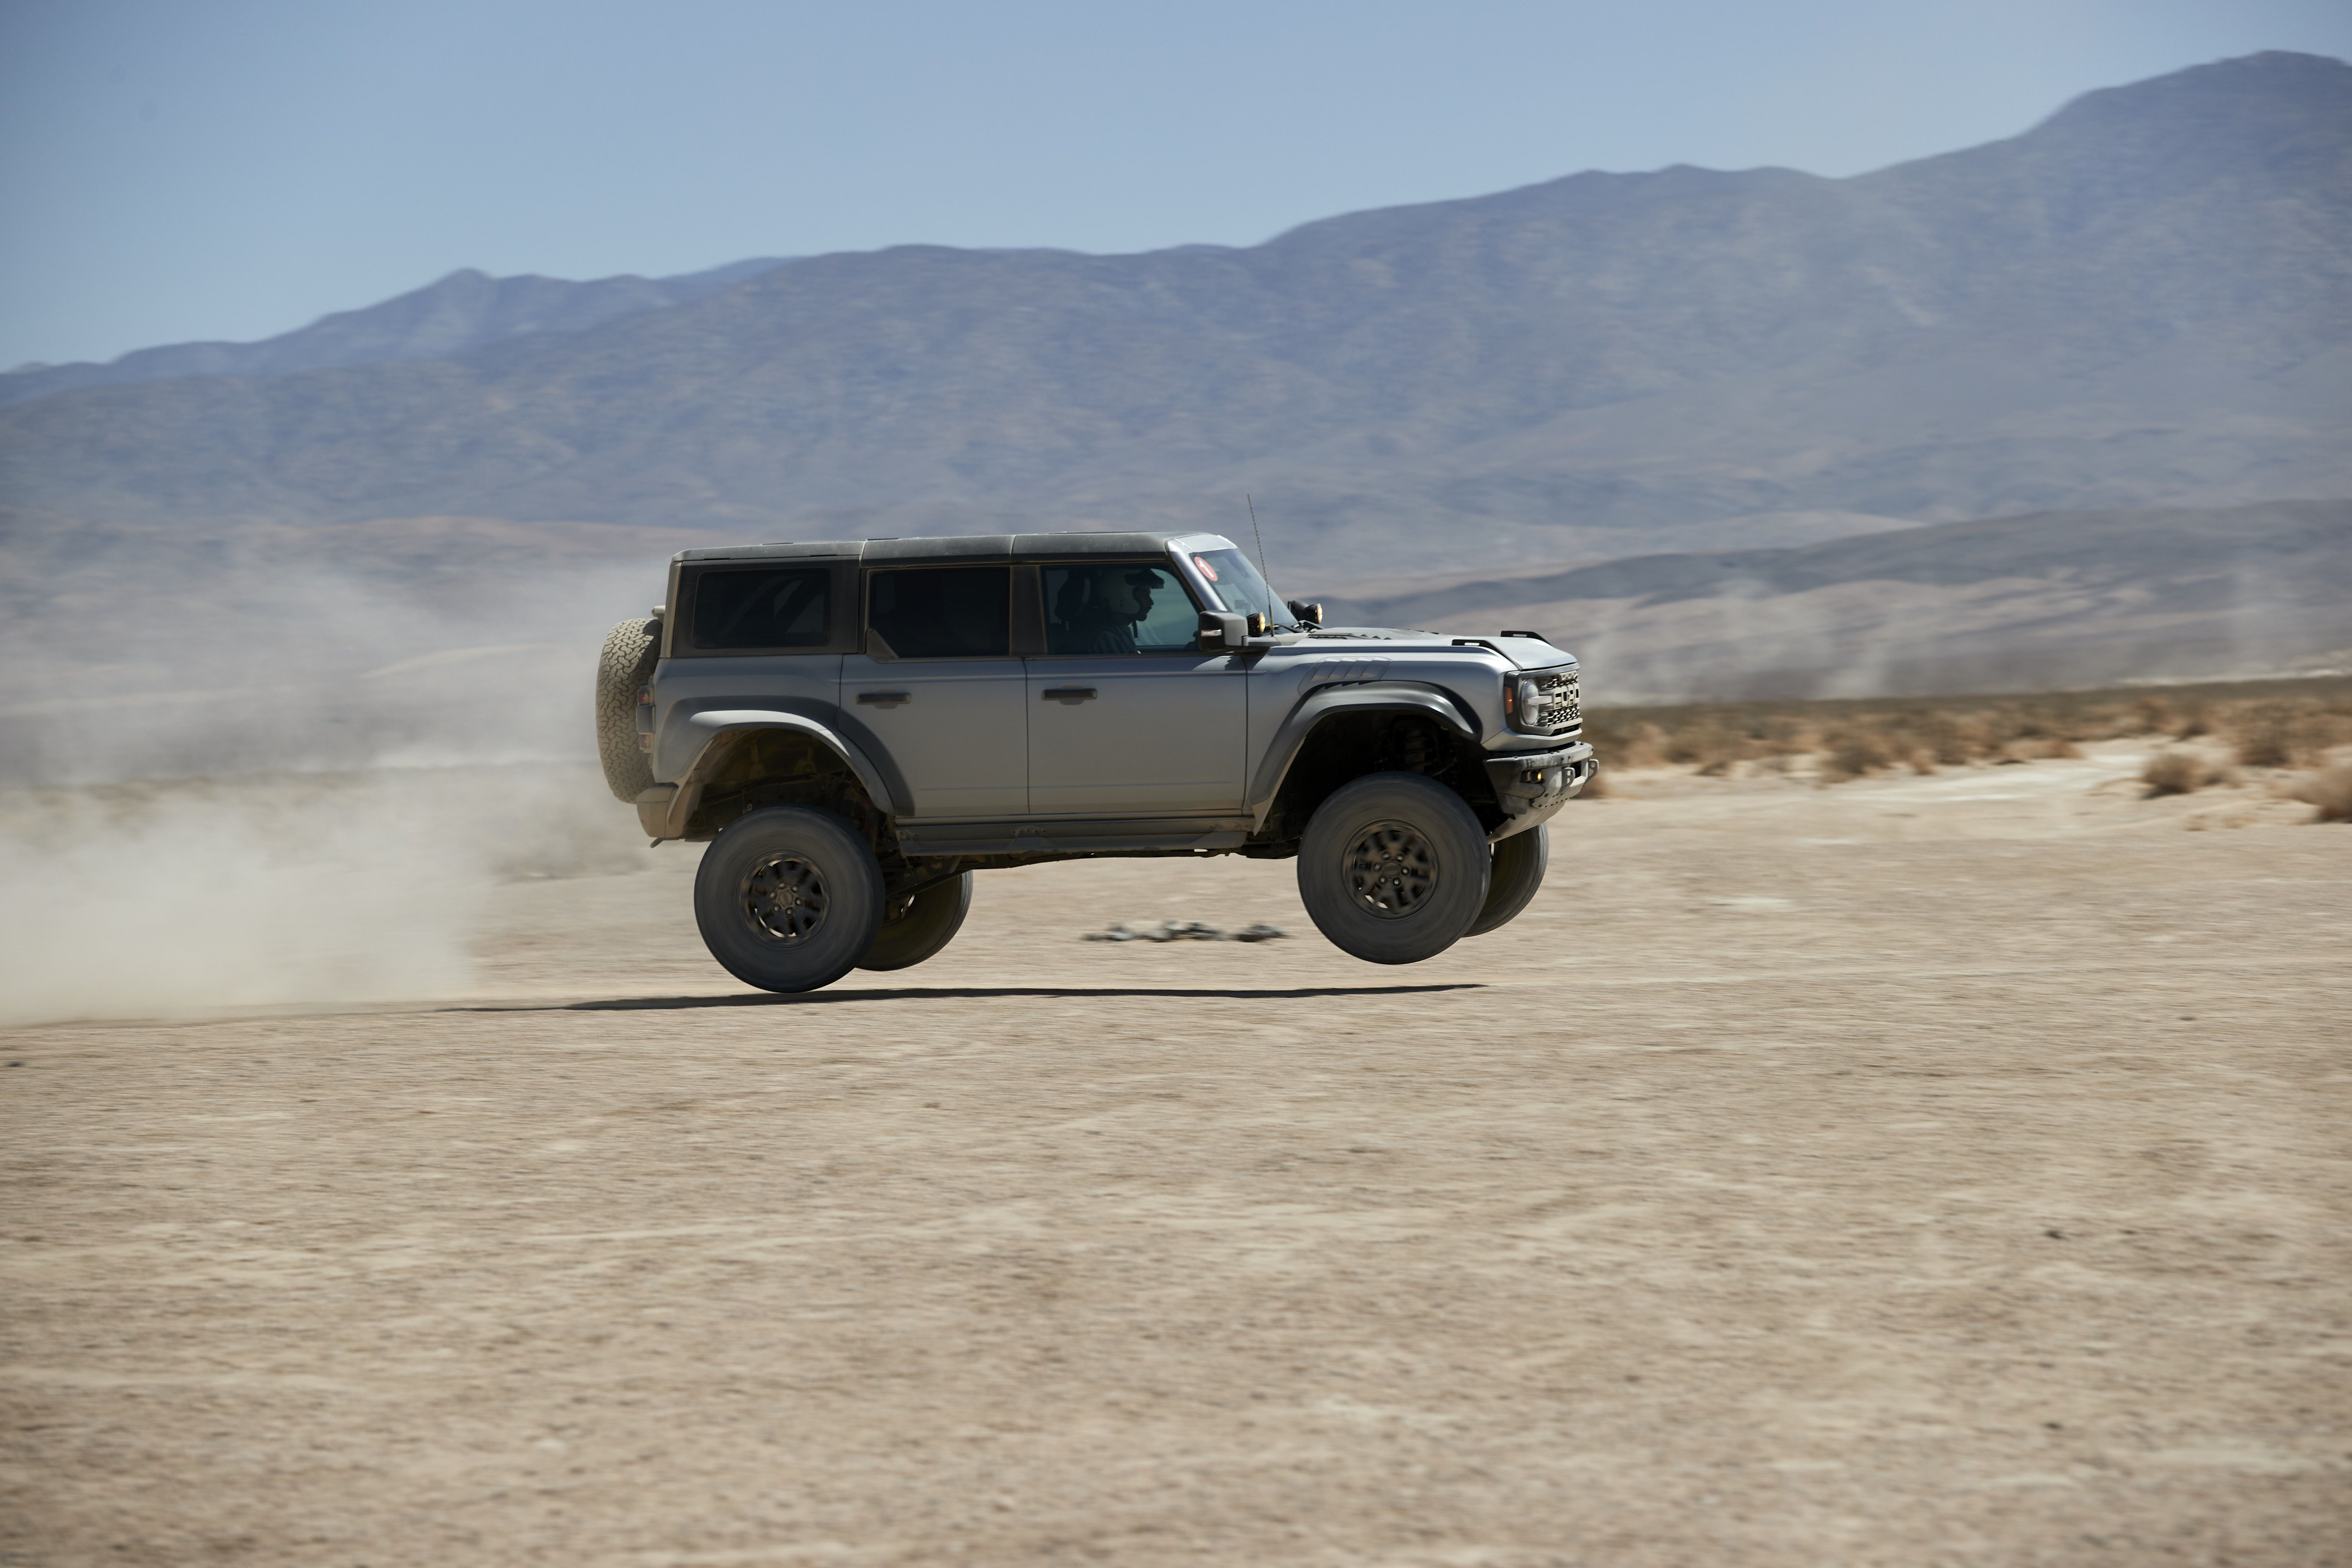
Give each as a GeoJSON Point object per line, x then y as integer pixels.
{"type": "Point", "coordinates": [778, 607]}
{"type": "Point", "coordinates": [942, 612]}
{"type": "Point", "coordinates": [1123, 606]}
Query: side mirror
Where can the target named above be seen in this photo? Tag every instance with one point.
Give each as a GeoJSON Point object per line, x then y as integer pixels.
{"type": "Point", "coordinates": [1307, 614]}
{"type": "Point", "coordinates": [1222, 633]}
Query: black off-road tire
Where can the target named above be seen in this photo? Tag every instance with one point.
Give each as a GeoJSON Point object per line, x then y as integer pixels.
{"type": "Point", "coordinates": [1519, 871]}
{"type": "Point", "coordinates": [625, 665]}
{"type": "Point", "coordinates": [788, 898]}
{"type": "Point", "coordinates": [933, 917]}
{"type": "Point", "coordinates": [1393, 868]}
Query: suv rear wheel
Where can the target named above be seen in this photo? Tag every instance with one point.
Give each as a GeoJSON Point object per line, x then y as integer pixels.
{"type": "Point", "coordinates": [1393, 868]}
{"type": "Point", "coordinates": [788, 898]}
{"type": "Point", "coordinates": [928, 923]}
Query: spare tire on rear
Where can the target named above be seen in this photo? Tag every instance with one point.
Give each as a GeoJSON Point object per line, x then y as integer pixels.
{"type": "Point", "coordinates": [624, 668]}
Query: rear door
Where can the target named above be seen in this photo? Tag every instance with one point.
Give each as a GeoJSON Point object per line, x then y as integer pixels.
{"type": "Point", "coordinates": [938, 687]}
{"type": "Point", "coordinates": [1127, 717]}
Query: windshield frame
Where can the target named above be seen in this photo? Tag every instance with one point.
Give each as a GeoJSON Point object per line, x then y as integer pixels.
{"type": "Point", "coordinates": [1231, 578]}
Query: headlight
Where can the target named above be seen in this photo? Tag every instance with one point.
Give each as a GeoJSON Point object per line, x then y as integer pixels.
{"type": "Point", "coordinates": [1530, 704]}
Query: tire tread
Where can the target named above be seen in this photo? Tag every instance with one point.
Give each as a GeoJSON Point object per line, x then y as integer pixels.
{"type": "Point", "coordinates": [1464, 867]}
{"type": "Point", "coordinates": [625, 664]}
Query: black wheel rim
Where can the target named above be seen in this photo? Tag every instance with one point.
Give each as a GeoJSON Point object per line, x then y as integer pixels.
{"type": "Point", "coordinates": [1391, 869]}
{"type": "Point", "coordinates": [784, 898]}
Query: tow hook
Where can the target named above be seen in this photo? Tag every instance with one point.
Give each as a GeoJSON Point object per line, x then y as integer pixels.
{"type": "Point", "coordinates": [1533, 784]}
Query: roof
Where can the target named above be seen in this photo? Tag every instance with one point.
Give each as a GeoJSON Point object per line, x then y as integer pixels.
{"type": "Point", "coordinates": [965, 547]}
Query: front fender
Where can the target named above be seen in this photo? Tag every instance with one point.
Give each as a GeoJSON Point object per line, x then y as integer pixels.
{"type": "Point", "coordinates": [1321, 702]}
{"type": "Point", "coordinates": [665, 810]}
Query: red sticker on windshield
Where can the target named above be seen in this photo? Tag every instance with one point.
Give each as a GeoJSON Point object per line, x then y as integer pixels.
{"type": "Point", "coordinates": [1206, 570]}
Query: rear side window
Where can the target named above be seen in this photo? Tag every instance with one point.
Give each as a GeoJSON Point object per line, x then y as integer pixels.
{"type": "Point", "coordinates": [768, 608]}
{"type": "Point", "coordinates": [943, 612]}
{"type": "Point", "coordinates": [1125, 607]}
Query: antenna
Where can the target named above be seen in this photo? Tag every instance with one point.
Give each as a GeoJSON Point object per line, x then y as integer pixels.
{"type": "Point", "coordinates": [1261, 541]}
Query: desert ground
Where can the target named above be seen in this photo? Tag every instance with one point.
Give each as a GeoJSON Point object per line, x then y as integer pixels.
{"type": "Point", "coordinates": [1932, 1169]}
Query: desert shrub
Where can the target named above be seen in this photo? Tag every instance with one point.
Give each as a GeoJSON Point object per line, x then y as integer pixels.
{"type": "Point", "coordinates": [2263, 739]}
{"type": "Point", "coordinates": [1715, 749]}
{"type": "Point", "coordinates": [1637, 744]}
{"type": "Point", "coordinates": [2331, 791]}
{"type": "Point", "coordinates": [2299, 718]}
{"type": "Point", "coordinates": [1996, 726]}
{"type": "Point", "coordinates": [1704, 743]}
{"type": "Point", "coordinates": [2176, 772]}
{"type": "Point", "coordinates": [1957, 741]}
{"type": "Point", "coordinates": [2153, 716]}
{"type": "Point", "coordinates": [1853, 753]}
{"type": "Point", "coordinates": [2279, 734]}
{"type": "Point", "coordinates": [2052, 723]}
{"type": "Point", "coordinates": [2020, 734]}
{"type": "Point", "coordinates": [2035, 749]}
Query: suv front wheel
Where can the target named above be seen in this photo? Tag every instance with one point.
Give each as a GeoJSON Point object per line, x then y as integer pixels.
{"type": "Point", "coordinates": [788, 898]}
{"type": "Point", "coordinates": [1393, 868]}
{"type": "Point", "coordinates": [1519, 871]}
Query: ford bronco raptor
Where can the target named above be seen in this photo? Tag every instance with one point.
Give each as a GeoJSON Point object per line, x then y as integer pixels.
{"type": "Point", "coordinates": [857, 728]}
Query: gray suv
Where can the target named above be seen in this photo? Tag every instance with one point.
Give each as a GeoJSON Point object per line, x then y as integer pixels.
{"type": "Point", "coordinates": [858, 727]}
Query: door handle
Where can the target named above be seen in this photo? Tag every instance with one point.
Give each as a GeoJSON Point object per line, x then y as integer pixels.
{"type": "Point", "coordinates": [885, 699]}
{"type": "Point", "coordinates": [1068, 694]}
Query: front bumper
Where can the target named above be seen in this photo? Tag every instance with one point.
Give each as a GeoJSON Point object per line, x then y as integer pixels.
{"type": "Point", "coordinates": [1531, 785]}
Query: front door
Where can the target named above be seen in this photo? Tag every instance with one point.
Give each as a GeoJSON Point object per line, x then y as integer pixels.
{"type": "Point", "coordinates": [1126, 717]}
{"type": "Point", "coordinates": [938, 687]}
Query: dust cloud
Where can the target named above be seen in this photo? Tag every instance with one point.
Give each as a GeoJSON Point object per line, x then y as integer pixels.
{"type": "Point", "coordinates": [204, 903]}
{"type": "Point", "coordinates": [234, 774]}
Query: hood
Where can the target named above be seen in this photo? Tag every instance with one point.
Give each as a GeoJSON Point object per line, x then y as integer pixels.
{"type": "Point", "coordinates": [1524, 652]}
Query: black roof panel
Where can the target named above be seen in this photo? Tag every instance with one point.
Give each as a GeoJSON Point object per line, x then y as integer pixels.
{"type": "Point", "coordinates": [956, 547]}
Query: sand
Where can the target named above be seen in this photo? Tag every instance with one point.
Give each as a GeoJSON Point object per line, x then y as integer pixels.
{"type": "Point", "coordinates": [1942, 1170]}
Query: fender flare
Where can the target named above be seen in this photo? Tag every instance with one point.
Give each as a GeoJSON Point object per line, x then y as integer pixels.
{"type": "Point", "coordinates": [1321, 702]}
{"type": "Point", "coordinates": [665, 810]}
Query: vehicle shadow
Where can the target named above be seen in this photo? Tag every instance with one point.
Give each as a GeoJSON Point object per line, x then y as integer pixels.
{"type": "Point", "coordinates": [954, 992]}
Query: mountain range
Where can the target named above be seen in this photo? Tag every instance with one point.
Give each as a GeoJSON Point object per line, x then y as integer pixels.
{"type": "Point", "coordinates": [2145, 300]}
{"type": "Point", "coordinates": [2074, 407]}
{"type": "Point", "coordinates": [447, 320]}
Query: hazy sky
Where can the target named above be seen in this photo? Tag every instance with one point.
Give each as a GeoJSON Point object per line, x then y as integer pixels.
{"type": "Point", "coordinates": [234, 169]}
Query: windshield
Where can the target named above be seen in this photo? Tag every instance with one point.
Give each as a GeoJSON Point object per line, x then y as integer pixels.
{"type": "Point", "coordinates": [1237, 583]}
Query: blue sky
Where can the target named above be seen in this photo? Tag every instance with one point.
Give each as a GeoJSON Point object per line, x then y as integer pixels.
{"type": "Point", "coordinates": [234, 169]}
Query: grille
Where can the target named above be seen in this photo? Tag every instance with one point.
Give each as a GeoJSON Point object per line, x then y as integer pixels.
{"type": "Point", "coordinates": [1563, 703]}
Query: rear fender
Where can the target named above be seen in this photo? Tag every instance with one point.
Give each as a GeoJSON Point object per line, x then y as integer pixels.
{"type": "Point", "coordinates": [665, 810]}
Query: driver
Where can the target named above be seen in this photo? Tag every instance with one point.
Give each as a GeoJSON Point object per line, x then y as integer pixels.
{"type": "Point", "coordinates": [1097, 610]}
{"type": "Point", "coordinates": [1139, 586]}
